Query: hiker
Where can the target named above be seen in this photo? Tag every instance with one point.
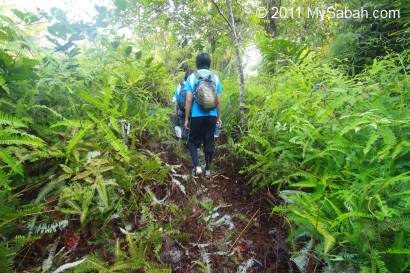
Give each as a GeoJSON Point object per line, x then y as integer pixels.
{"type": "Point", "coordinates": [179, 116]}
{"type": "Point", "coordinates": [202, 112]}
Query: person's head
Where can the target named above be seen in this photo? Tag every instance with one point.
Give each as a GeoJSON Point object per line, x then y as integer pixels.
{"type": "Point", "coordinates": [203, 60]}
{"type": "Point", "coordinates": [188, 72]}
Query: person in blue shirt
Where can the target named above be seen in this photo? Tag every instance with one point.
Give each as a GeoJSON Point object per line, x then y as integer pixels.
{"type": "Point", "coordinates": [181, 85]}
{"type": "Point", "coordinates": [201, 125]}
{"type": "Point", "coordinates": [179, 116]}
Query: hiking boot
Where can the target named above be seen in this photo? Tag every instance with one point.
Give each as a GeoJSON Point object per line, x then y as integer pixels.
{"type": "Point", "coordinates": [197, 171]}
{"type": "Point", "coordinates": [208, 173]}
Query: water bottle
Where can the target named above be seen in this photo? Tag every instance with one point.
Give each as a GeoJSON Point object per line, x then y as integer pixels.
{"type": "Point", "coordinates": [217, 130]}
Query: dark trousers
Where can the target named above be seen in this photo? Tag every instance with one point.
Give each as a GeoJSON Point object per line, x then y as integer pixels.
{"type": "Point", "coordinates": [202, 132]}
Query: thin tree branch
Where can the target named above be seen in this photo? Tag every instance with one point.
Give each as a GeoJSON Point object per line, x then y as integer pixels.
{"type": "Point", "coordinates": [223, 16]}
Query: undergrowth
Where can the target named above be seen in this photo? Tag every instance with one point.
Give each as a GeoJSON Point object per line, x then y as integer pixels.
{"type": "Point", "coordinates": [73, 165]}
{"type": "Point", "coordinates": [337, 150]}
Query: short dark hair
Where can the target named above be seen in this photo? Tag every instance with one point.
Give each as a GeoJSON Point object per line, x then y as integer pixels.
{"type": "Point", "coordinates": [202, 60]}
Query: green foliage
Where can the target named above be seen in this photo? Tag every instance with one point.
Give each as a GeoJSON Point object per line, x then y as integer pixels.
{"type": "Point", "coordinates": [362, 40]}
{"type": "Point", "coordinates": [77, 121]}
{"type": "Point", "coordinates": [339, 147]}
{"type": "Point", "coordinates": [279, 53]}
{"type": "Point", "coordinates": [70, 125]}
{"type": "Point", "coordinates": [132, 260]}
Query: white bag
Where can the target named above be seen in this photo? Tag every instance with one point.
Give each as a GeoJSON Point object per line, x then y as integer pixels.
{"type": "Point", "coordinates": [178, 131]}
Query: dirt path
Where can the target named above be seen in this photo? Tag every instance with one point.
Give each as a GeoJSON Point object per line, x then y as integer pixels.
{"type": "Point", "coordinates": [221, 227]}
{"type": "Point", "coordinates": [232, 231]}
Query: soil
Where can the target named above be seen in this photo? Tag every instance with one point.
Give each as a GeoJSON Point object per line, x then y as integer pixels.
{"type": "Point", "coordinates": [256, 237]}
{"type": "Point", "coordinates": [229, 230]}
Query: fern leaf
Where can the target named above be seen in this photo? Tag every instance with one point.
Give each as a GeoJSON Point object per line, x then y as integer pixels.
{"type": "Point", "coordinates": [21, 240]}
{"type": "Point", "coordinates": [114, 124]}
{"type": "Point", "coordinates": [399, 251]}
{"type": "Point", "coordinates": [12, 162]}
{"type": "Point", "coordinates": [96, 102]}
{"type": "Point", "coordinates": [6, 259]}
{"type": "Point", "coordinates": [329, 240]}
{"type": "Point", "coordinates": [74, 141]}
{"type": "Point", "coordinates": [9, 120]}
{"type": "Point", "coordinates": [136, 253]}
{"type": "Point", "coordinates": [4, 180]}
{"type": "Point", "coordinates": [151, 268]}
{"type": "Point", "coordinates": [389, 140]}
{"type": "Point", "coordinates": [12, 131]}
{"type": "Point", "coordinates": [372, 139]}
{"type": "Point", "coordinates": [397, 150]}
{"type": "Point", "coordinates": [347, 215]}
{"type": "Point", "coordinates": [396, 222]}
{"type": "Point", "coordinates": [48, 109]}
{"type": "Point", "coordinates": [118, 146]}
{"type": "Point", "coordinates": [21, 140]}
{"type": "Point", "coordinates": [72, 124]}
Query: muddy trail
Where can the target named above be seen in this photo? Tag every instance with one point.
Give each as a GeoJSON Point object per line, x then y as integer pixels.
{"type": "Point", "coordinates": [221, 227]}
{"type": "Point", "coordinates": [231, 229]}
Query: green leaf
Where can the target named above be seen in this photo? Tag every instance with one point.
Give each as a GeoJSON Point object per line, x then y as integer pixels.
{"type": "Point", "coordinates": [399, 251]}
{"type": "Point", "coordinates": [304, 184]}
{"type": "Point", "coordinates": [12, 162]}
{"type": "Point", "coordinates": [351, 214]}
{"type": "Point", "coordinates": [6, 119]}
{"type": "Point", "coordinates": [3, 85]}
{"type": "Point", "coordinates": [118, 146]}
{"type": "Point", "coordinates": [74, 141]}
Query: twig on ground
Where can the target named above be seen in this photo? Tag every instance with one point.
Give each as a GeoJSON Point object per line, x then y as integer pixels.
{"type": "Point", "coordinates": [243, 230]}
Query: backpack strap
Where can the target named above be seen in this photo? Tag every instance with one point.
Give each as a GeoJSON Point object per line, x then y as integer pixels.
{"type": "Point", "coordinates": [208, 77]}
{"type": "Point", "coordinates": [197, 75]}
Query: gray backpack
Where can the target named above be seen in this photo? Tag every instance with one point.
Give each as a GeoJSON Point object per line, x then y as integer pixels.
{"type": "Point", "coordinates": [205, 92]}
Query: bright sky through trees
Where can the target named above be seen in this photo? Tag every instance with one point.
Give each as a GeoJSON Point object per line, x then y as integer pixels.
{"type": "Point", "coordinates": [76, 9]}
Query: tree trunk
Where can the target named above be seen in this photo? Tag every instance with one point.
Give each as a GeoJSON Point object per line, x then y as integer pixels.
{"type": "Point", "coordinates": [271, 26]}
{"type": "Point", "coordinates": [239, 66]}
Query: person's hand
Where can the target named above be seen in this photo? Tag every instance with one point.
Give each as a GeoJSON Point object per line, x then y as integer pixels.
{"type": "Point", "coordinates": [186, 124]}
{"type": "Point", "coordinates": [219, 121]}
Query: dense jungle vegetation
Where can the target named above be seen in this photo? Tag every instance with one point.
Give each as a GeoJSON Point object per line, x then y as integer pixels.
{"type": "Point", "coordinates": [322, 125]}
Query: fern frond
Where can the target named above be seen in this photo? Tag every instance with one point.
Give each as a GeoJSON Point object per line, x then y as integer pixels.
{"type": "Point", "coordinates": [6, 259]}
{"type": "Point", "coordinates": [117, 144]}
{"type": "Point", "coordinates": [134, 251]}
{"type": "Point", "coordinates": [74, 141]}
{"type": "Point", "coordinates": [397, 150]}
{"type": "Point", "coordinates": [93, 263]}
{"type": "Point", "coordinates": [114, 124]}
{"type": "Point", "coordinates": [22, 240]}
{"type": "Point", "coordinates": [348, 215]}
{"type": "Point", "coordinates": [72, 123]}
{"type": "Point", "coordinates": [4, 180]}
{"type": "Point", "coordinates": [329, 239]}
{"type": "Point", "coordinates": [396, 222]}
{"type": "Point", "coordinates": [48, 109]}
{"type": "Point", "coordinates": [390, 140]}
{"type": "Point", "coordinates": [6, 119]}
{"type": "Point", "coordinates": [399, 251]}
{"type": "Point", "coordinates": [21, 140]}
{"type": "Point", "coordinates": [11, 131]}
{"type": "Point", "coordinates": [152, 268]}
{"type": "Point", "coordinates": [12, 162]}
{"type": "Point", "coordinates": [96, 102]}
{"type": "Point", "coordinates": [372, 139]}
